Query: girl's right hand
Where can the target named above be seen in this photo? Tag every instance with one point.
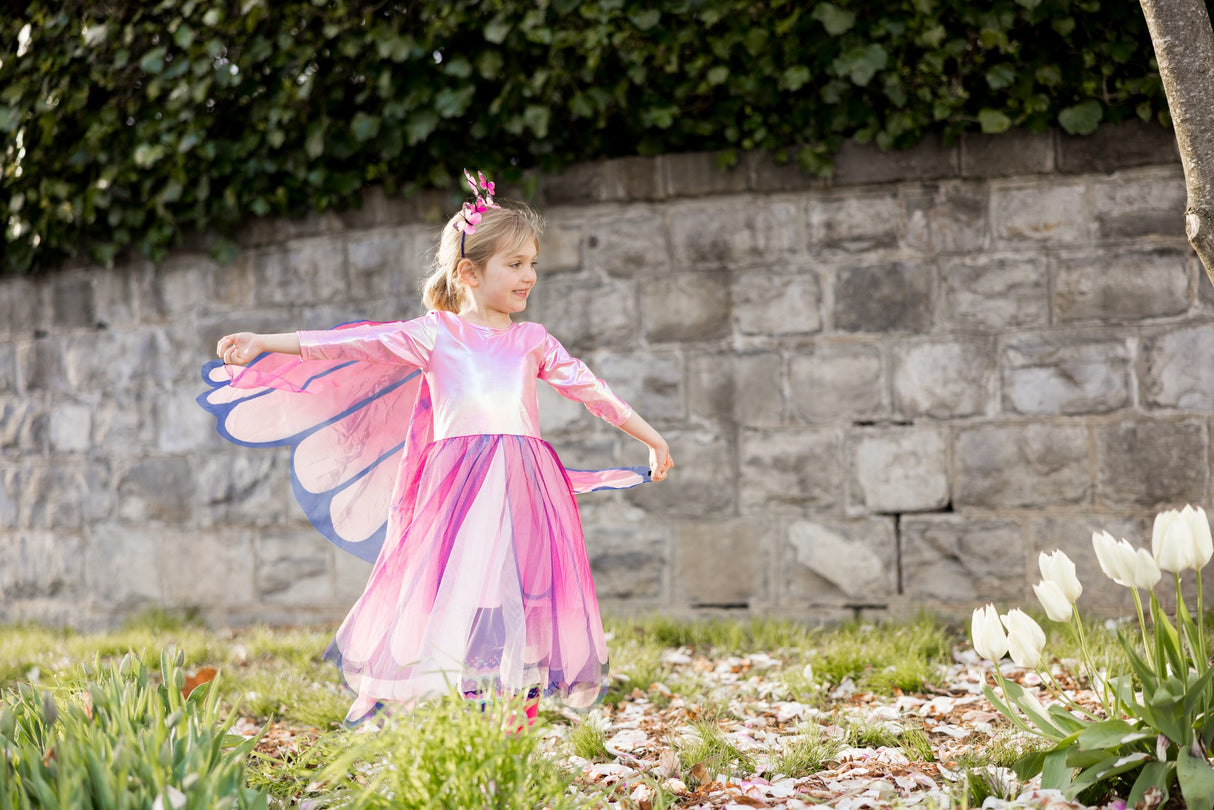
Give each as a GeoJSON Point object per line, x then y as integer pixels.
{"type": "Point", "coordinates": [240, 348]}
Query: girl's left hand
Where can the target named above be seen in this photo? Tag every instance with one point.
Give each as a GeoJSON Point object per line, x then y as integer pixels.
{"type": "Point", "coordinates": [660, 462]}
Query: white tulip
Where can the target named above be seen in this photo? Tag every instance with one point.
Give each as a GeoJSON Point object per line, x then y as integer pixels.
{"type": "Point", "coordinates": [1199, 529]}
{"type": "Point", "coordinates": [1059, 569]}
{"type": "Point", "coordinates": [1025, 638]}
{"type": "Point", "coordinates": [1172, 542]}
{"type": "Point", "coordinates": [1146, 572]}
{"type": "Point", "coordinates": [1117, 560]}
{"type": "Point", "coordinates": [989, 639]}
{"type": "Point", "coordinates": [1051, 597]}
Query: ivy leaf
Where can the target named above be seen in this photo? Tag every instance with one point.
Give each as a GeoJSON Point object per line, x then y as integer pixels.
{"type": "Point", "coordinates": [1082, 118]}
{"type": "Point", "coordinates": [489, 64]}
{"type": "Point", "coordinates": [496, 30]}
{"type": "Point", "coordinates": [1000, 76]}
{"type": "Point", "coordinates": [861, 64]}
{"type": "Point", "coordinates": [795, 78]}
{"type": "Point", "coordinates": [644, 20]}
{"type": "Point", "coordinates": [147, 154]}
{"type": "Point", "coordinates": [718, 75]}
{"type": "Point", "coordinates": [458, 67]}
{"type": "Point", "coordinates": [153, 61]}
{"type": "Point", "coordinates": [364, 126]}
{"type": "Point", "coordinates": [419, 126]}
{"type": "Point", "coordinates": [314, 144]}
{"type": "Point", "coordinates": [184, 36]}
{"type": "Point", "coordinates": [536, 117]}
{"type": "Point", "coordinates": [450, 103]}
{"type": "Point", "coordinates": [993, 121]}
{"type": "Point", "coordinates": [835, 20]}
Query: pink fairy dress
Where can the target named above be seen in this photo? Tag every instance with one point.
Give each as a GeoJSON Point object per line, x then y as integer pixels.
{"type": "Point", "coordinates": [416, 445]}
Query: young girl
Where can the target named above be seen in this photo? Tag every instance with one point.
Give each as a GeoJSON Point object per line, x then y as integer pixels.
{"type": "Point", "coordinates": [480, 574]}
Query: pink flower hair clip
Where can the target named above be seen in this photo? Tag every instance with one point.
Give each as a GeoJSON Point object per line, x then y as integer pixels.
{"type": "Point", "coordinates": [472, 212]}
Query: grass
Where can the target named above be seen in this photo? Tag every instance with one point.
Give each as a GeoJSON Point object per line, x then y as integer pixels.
{"type": "Point", "coordinates": [277, 678]}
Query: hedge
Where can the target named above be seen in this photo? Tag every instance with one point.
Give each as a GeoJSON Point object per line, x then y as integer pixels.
{"type": "Point", "coordinates": [128, 122]}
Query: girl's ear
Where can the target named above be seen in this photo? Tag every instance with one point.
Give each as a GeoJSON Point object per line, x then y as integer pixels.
{"type": "Point", "coordinates": [466, 270]}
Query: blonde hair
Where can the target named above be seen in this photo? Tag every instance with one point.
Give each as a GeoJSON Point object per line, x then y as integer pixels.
{"type": "Point", "coordinates": [501, 229]}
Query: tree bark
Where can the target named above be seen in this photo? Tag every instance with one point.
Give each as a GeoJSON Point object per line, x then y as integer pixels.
{"type": "Point", "coordinates": [1184, 48]}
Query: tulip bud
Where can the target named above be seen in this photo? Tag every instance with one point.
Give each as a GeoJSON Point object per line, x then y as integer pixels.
{"type": "Point", "coordinates": [1051, 597]}
{"type": "Point", "coordinates": [1025, 638]}
{"type": "Point", "coordinates": [1172, 542]}
{"type": "Point", "coordinates": [1199, 531]}
{"type": "Point", "coordinates": [1146, 572]}
{"type": "Point", "coordinates": [1059, 569]}
{"type": "Point", "coordinates": [1118, 560]}
{"type": "Point", "coordinates": [990, 641]}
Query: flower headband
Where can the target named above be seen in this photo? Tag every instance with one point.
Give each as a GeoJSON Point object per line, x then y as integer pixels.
{"type": "Point", "coordinates": [472, 212]}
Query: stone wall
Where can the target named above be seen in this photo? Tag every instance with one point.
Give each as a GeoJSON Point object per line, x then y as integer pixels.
{"type": "Point", "coordinates": [882, 392]}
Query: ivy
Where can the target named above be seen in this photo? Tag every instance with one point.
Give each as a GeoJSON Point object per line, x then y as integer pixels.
{"type": "Point", "coordinates": [125, 123]}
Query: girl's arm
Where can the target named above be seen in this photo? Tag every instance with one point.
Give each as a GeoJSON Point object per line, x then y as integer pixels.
{"type": "Point", "coordinates": [660, 461]}
{"type": "Point", "coordinates": [239, 348]}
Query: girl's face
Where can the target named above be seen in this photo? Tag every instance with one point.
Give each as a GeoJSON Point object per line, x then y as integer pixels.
{"type": "Point", "coordinates": [506, 280]}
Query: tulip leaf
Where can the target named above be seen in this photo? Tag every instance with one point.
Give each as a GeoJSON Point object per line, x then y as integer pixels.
{"type": "Point", "coordinates": [1065, 720]}
{"type": "Point", "coordinates": [1017, 695]}
{"type": "Point", "coordinates": [1002, 708]}
{"type": "Point", "coordinates": [1055, 773]}
{"type": "Point", "coordinates": [1137, 663]}
{"type": "Point", "coordinates": [1153, 775]}
{"type": "Point", "coordinates": [1196, 779]}
{"type": "Point", "coordinates": [1111, 734]}
{"type": "Point", "coordinates": [1108, 767]}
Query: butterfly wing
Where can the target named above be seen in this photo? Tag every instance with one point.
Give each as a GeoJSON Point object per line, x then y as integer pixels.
{"type": "Point", "coordinates": [351, 426]}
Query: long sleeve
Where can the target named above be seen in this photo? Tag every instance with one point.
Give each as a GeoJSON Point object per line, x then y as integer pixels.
{"type": "Point", "coordinates": [408, 342]}
{"type": "Point", "coordinates": [574, 380]}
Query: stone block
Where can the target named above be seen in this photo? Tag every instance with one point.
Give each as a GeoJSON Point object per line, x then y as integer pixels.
{"type": "Point", "coordinates": [293, 570]}
{"type": "Point", "coordinates": [995, 294]}
{"type": "Point", "coordinates": [840, 563]}
{"type": "Point", "coordinates": [159, 489]}
{"type": "Point", "coordinates": [856, 222]}
{"type": "Point", "coordinates": [1122, 287]}
{"type": "Point", "coordinates": [1152, 205]}
{"type": "Point", "coordinates": [733, 232]}
{"type": "Point", "coordinates": [72, 304]}
{"type": "Point", "coordinates": [40, 365]}
{"type": "Point", "coordinates": [22, 306]}
{"type": "Point", "coordinates": [308, 269]}
{"type": "Point", "coordinates": [1054, 214]}
{"type": "Point", "coordinates": [585, 315]}
{"type": "Point", "coordinates": [651, 382]}
{"type": "Point", "coordinates": [899, 470]}
{"type": "Point", "coordinates": [8, 368]}
{"type": "Point", "coordinates": [699, 174]}
{"type": "Point", "coordinates": [599, 451]}
{"type": "Point", "coordinates": [560, 247]}
{"type": "Point", "coordinates": [769, 303]}
{"type": "Point", "coordinates": [65, 494]}
{"type": "Point", "coordinates": [628, 562]}
{"type": "Point", "coordinates": [558, 414]}
{"type": "Point", "coordinates": [116, 297]}
{"type": "Point", "coordinates": [949, 217]}
{"type": "Point", "coordinates": [211, 569]}
{"type": "Point", "coordinates": [71, 426]}
{"type": "Point", "coordinates": [238, 486]}
{"type": "Point", "coordinates": [122, 564]}
{"type": "Point", "coordinates": [859, 164]}
{"type": "Point", "coordinates": [963, 559]}
{"type": "Point", "coordinates": [10, 485]}
{"type": "Point", "coordinates": [831, 382]}
{"type": "Point", "coordinates": [124, 422]}
{"type": "Point", "coordinates": [686, 306]}
{"type": "Point", "coordinates": [635, 178]}
{"type": "Point", "coordinates": [1175, 369]}
{"type": "Point", "coordinates": [41, 564]}
{"type": "Point", "coordinates": [579, 184]}
{"type": "Point", "coordinates": [893, 297]}
{"type": "Point", "coordinates": [1067, 374]}
{"type": "Point", "coordinates": [1073, 535]}
{"type": "Point", "coordinates": [24, 426]}
{"type": "Point", "coordinates": [183, 286]}
{"type": "Point", "coordinates": [790, 469]}
{"type": "Point", "coordinates": [739, 389]}
{"type": "Point", "coordinates": [1011, 465]}
{"type": "Point", "coordinates": [351, 576]}
{"type": "Point", "coordinates": [944, 378]}
{"type": "Point", "coordinates": [384, 264]}
{"type": "Point", "coordinates": [724, 563]}
{"type": "Point", "coordinates": [183, 425]}
{"type": "Point", "coordinates": [767, 175]}
{"type": "Point", "coordinates": [702, 485]}
{"type": "Point", "coordinates": [1117, 147]}
{"type": "Point", "coordinates": [1153, 463]}
{"type": "Point", "coordinates": [626, 246]}
{"type": "Point", "coordinates": [1015, 152]}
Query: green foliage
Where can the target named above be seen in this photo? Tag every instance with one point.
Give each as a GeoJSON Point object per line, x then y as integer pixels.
{"type": "Point", "coordinates": [129, 122]}
{"type": "Point", "coordinates": [446, 753]}
{"type": "Point", "coordinates": [121, 740]}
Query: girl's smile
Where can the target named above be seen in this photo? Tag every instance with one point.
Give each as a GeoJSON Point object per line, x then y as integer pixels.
{"type": "Point", "coordinates": [501, 287]}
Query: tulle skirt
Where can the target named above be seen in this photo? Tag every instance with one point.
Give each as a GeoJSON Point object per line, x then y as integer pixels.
{"type": "Point", "coordinates": [482, 582]}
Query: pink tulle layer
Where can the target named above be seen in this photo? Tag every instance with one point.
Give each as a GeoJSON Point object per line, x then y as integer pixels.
{"type": "Point", "coordinates": [483, 581]}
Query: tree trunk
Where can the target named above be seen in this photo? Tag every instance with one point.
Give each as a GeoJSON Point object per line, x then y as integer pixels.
{"type": "Point", "coordinates": [1184, 49]}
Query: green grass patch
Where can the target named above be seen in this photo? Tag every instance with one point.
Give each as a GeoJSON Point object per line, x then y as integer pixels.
{"type": "Point", "coordinates": [809, 753]}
